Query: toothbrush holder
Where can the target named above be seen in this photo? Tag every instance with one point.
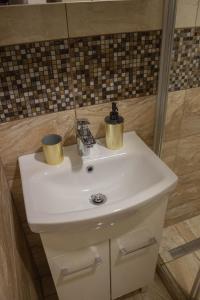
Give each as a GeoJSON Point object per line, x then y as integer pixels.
{"type": "Point", "coordinates": [52, 149]}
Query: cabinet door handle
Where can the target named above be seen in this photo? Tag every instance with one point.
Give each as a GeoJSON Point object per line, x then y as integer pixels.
{"type": "Point", "coordinates": [67, 271]}
{"type": "Point", "coordinates": [151, 242]}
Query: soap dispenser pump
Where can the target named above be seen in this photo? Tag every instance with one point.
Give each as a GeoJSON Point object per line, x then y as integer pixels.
{"type": "Point", "coordinates": [114, 129]}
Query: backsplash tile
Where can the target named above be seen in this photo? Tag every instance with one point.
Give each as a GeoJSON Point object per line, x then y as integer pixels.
{"type": "Point", "coordinates": [87, 18]}
{"type": "Point", "coordinates": [194, 79]}
{"type": "Point", "coordinates": [51, 76]}
{"type": "Point", "coordinates": [32, 23]}
{"type": "Point", "coordinates": [181, 58]}
{"type": "Point", "coordinates": [185, 72]}
{"type": "Point", "coordinates": [115, 67]}
{"type": "Point", "coordinates": [34, 79]}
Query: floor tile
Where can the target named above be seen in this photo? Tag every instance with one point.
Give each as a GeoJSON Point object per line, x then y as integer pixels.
{"type": "Point", "coordinates": [156, 291]}
{"type": "Point", "coordinates": [183, 269]}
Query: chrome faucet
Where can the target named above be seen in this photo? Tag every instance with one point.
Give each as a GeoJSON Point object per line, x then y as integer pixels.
{"type": "Point", "coordinates": [85, 139]}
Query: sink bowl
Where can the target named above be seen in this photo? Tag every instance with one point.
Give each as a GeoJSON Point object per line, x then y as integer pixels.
{"type": "Point", "coordinates": [63, 196]}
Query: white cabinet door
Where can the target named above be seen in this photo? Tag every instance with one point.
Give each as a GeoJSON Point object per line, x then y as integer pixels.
{"type": "Point", "coordinates": [133, 262]}
{"type": "Point", "coordinates": [134, 254]}
{"type": "Point", "coordinates": [83, 274]}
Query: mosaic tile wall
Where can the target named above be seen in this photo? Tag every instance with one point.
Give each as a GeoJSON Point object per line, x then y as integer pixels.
{"type": "Point", "coordinates": [185, 66]}
{"type": "Point", "coordinates": [51, 76]}
{"type": "Point", "coordinates": [34, 79]}
{"type": "Point", "coordinates": [42, 77]}
{"type": "Point", "coordinates": [115, 67]}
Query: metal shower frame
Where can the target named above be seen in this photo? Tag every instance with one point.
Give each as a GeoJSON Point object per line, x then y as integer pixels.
{"type": "Point", "coordinates": [169, 18]}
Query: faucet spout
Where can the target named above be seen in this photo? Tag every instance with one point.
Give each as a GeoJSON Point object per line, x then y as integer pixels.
{"type": "Point", "coordinates": [85, 139]}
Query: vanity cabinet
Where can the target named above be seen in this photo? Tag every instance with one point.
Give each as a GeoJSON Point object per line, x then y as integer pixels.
{"type": "Point", "coordinates": [82, 274]}
{"type": "Point", "coordinates": [110, 261]}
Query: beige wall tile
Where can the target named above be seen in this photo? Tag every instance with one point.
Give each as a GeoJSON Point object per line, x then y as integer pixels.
{"type": "Point", "coordinates": [95, 114]}
{"type": "Point", "coordinates": [194, 225]}
{"type": "Point", "coordinates": [174, 115]}
{"type": "Point", "coordinates": [24, 136]}
{"type": "Point", "coordinates": [23, 263]}
{"type": "Point", "coordinates": [21, 24]}
{"type": "Point", "coordinates": [169, 151]}
{"type": "Point", "coordinates": [188, 189]}
{"type": "Point", "coordinates": [17, 193]}
{"type": "Point", "coordinates": [186, 13]}
{"type": "Point", "coordinates": [16, 268]}
{"type": "Point", "coordinates": [191, 118]}
{"type": "Point", "coordinates": [181, 152]}
{"type": "Point", "coordinates": [198, 17]}
{"type": "Point", "coordinates": [188, 155]}
{"type": "Point", "coordinates": [8, 287]}
{"type": "Point", "coordinates": [111, 17]}
{"type": "Point", "coordinates": [138, 114]}
{"type": "Point", "coordinates": [182, 212]}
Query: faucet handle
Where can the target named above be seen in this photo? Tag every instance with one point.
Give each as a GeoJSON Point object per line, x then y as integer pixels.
{"type": "Point", "coordinates": [84, 133]}
{"type": "Point", "coordinates": [82, 123]}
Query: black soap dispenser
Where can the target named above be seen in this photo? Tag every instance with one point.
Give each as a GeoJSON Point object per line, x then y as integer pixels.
{"type": "Point", "coordinates": [114, 129]}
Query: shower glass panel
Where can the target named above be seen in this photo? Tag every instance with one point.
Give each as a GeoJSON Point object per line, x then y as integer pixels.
{"type": "Point", "coordinates": [180, 150]}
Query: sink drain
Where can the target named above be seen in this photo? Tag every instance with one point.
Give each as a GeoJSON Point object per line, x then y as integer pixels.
{"type": "Point", "coordinates": [98, 199]}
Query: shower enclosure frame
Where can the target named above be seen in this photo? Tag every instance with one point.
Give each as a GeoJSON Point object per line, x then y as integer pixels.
{"type": "Point", "coordinates": [169, 18]}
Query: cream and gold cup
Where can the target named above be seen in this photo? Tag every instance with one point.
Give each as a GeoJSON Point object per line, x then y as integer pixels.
{"type": "Point", "coordinates": [52, 149]}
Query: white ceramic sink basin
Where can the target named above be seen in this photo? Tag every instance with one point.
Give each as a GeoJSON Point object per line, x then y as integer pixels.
{"type": "Point", "coordinates": [59, 197]}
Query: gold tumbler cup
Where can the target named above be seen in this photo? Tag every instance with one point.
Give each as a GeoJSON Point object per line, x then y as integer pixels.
{"type": "Point", "coordinates": [52, 149]}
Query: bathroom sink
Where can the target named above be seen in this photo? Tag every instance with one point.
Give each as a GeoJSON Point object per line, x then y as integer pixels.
{"type": "Point", "coordinates": [88, 190]}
